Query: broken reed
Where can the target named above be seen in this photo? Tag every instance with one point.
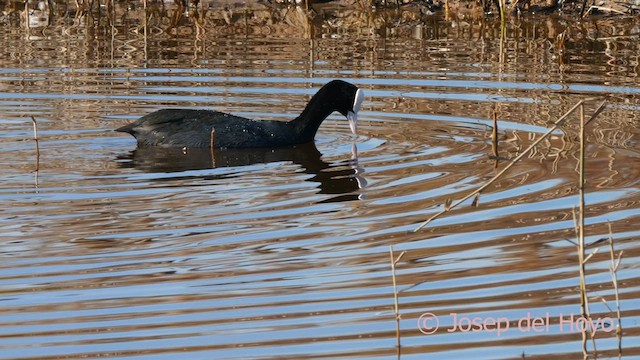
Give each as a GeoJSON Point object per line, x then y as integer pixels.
{"type": "Point", "coordinates": [556, 125]}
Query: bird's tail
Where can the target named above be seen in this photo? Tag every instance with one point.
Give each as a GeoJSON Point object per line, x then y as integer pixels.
{"type": "Point", "coordinates": [130, 129]}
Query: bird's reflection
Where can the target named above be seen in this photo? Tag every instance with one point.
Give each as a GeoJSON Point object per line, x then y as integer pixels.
{"type": "Point", "coordinates": [343, 179]}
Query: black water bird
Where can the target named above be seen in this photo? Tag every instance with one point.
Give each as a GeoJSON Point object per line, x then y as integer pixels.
{"type": "Point", "coordinates": [207, 128]}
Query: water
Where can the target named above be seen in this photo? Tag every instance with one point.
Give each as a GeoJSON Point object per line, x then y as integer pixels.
{"type": "Point", "coordinates": [109, 251]}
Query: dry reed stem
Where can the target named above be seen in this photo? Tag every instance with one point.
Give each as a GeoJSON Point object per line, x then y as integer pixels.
{"type": "Point", "coordinates": [601, 8]}
{"type": "Point", "coordinates": [494, 137]}
{"type": "Point", "coordinates": [580, 250]}
{"type": "Point", "coordinates": [35, 137]}
{"type": "Point", "coordinates": [584, 301]}
{"type": "Point", "coordinates": [396, 310]}
{"type": "Point", "coordinates": [595, 251]}
{"type": "Point", "coordinates": [557, 124]}
{"type": "Point", "coordinates": [615, 264]}
{"type": "Point", "coordinates": [26, 17]}
{"type": "Point", "coordinates": [503, 10]}
{"type": "Point", "coordinates": [145, 26]}
{"type": "Point", "coordinates": [213, 157]}
{"type": "Point", "coordinates": [597, 112]}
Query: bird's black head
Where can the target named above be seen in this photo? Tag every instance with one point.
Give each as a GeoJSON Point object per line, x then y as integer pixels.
{"type": "Point", "coordinates": [336, 95]}
{"type": "Point", "coordinates": [347, 99]}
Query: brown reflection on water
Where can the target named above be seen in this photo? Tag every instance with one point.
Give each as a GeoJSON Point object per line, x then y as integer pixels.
{"type": "Point", "coordinates": [283, 253]}
{"type": "Point", "coordinates": [233, 40]}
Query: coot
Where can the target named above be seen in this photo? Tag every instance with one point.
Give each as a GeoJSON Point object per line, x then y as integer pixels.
{"type": "Point", "coordinates": [207, 128]}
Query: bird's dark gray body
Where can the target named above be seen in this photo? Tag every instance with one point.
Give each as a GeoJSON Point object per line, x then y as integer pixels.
{"type": "Point", "coordinates": [204, 128]}
{"type": "Point", "coordinates": [193, 128]}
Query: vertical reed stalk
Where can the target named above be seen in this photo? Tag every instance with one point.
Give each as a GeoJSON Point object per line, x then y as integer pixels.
{"type": "Point", "coordinates": [35, 137]}
{"type": "Point", "coordinates": [213, 159]}
{"type": "Point", "coordinates": [584, 302]}
{"type": "Point", "coordinates": [503, 8]}
{"type": "Point", "coordinates": [494, 138]}
{"type": "Point", "coordinates": [144, 32]}
{"type": "Point", "coordinates": [615, 264]}
{"type": "Point", "coordinates": [26, 18]}
{"type": "Point", "coordinates": [396, 310]}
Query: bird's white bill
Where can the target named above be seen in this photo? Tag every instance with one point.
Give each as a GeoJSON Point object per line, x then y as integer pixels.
{"type": "Point", "coordinates": [352, 116]}
{"type": "Point", "coordinates": [353, 122]}
{"type": "Point", "coordinates": [359, 98]}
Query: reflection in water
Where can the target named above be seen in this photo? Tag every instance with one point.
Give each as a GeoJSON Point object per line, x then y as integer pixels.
{"type": "Point", "coordinates": [140, 258]}
{"type": "Point", "coordinates": [39, 15]}
{"type": "Point", "coordinates": [332, 178]}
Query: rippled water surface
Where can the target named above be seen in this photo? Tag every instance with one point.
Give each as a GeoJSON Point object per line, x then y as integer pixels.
{"type": "Point", "coordinates": [112, 251]}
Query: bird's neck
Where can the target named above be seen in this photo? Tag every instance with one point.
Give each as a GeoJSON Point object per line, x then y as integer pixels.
{"type": "Point", "coordinates": [319, 107]}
